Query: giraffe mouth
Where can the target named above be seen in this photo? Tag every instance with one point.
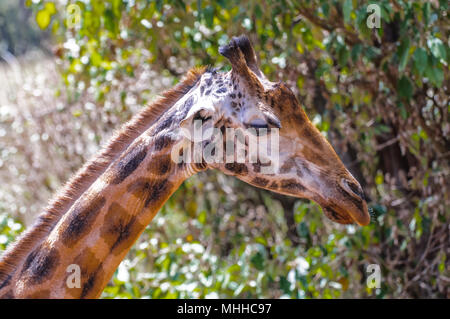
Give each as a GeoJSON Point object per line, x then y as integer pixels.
{"type": "Point", "coordinates": [343, 215]}
{"type": "Point", "coordinates": [341, 218]}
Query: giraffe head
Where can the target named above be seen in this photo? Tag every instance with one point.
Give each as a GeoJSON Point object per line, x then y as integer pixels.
{"type": "Point", "coordinates": [300, 163]}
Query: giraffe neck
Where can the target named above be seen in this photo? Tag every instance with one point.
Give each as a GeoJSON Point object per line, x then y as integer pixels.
{"type": "Point", "coordinates": [102, 225]}
{"type": "Point", "coordinates": [97, 230]}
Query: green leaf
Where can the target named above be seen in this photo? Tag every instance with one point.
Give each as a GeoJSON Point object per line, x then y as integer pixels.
{"type": "Point", "coordinates": [386, 12]}
{"type": "Point", "coordinates": [437, 48]}
{"type": "Point", "coordinates": [435, 74]}
{"type": "Point", "coordinates": [258, 11]}
{"type": "Point", "coordinates": [405, 88]}
{"type": "Point", "coordinates": [285, 285]}
{"type": "Point", "coordinates": [159, 5]}
{"type": "Point", "coordinates": [202, 217]}
{"type": "Point", "coordinates": [426, 12]}
{"type": "Point", "coordinates": [110, 21]}
{"type": "Point", "coordinates": [209, 16]}
{"type": "Point", "coordinates": [326, 9]}
{"type": "Point", "coordinates": [117, 7]}
{"type": "Point", "coordinates": [356, 51]}
{"type": "Point", "coordinates": [403, 53]}
{"type": "Point", "coordinates": [50, 8]}
{"type": "Point", "coordinates": [303, 230]}
{"type": "Point", "coordinates": [348, 7]}
{"type": "Point", "coordinates": [43, 18]}
{"type": "Point", "coordinates": [343, 55]}
{"type": "Point", "coordinates": [258, 261]}
{"type": "Point", "coordinates": [420, 60]}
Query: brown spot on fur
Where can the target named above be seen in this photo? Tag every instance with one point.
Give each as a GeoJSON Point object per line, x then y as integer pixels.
{"type": "Point", "coordinates": [189, 102]}
{"type": "Point", "coordinates": [160, 165]}
{"type": "Point", "coordinates": [118, 228]}
{"type": "Point", "coordinates": [237, 168]}
{"type": "Point", "coordinates": [257, 167]}
{"type": "Point", "coordinates": [274, 185]}
{"type": "Point", "coordinates": [292, 186]}
{"type": "Point", "coordinates": [89, 267]}
{"type": "Point", "coordinates": [165, 122]}
{"type": "Point", "coordinates": [162, 141]}
{"type": "Point", "coordinates": [40, 265]}
{"type": "Point", "coordinates": [87, 260]}
{"type": "Point", "coordinates": [259, 181]}
{"type": "Point", "coordinates": [129, 162]}
{"type": "Point", "coordinates": [94, 279]}
{"type": "Point", "coordinates": [151, 190]}
{"type": "Point", "coordinates": [81, 220]}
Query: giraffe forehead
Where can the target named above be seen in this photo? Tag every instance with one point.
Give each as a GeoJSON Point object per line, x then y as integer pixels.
{"type": "Point", "coordinates": [230, 94]}
{"type": "Point", "coordinates": [227, 92]}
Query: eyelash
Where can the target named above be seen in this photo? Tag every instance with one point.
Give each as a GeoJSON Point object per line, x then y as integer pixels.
{"type": "Point", "coordinates": [198, 116]}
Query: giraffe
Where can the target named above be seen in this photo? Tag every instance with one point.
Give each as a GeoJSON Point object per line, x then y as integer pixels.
{"type": "Point", "coordinates": [101, 211]}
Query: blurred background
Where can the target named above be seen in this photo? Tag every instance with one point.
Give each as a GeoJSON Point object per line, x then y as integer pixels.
{"type": "Point", "coordinates": [73, 71]}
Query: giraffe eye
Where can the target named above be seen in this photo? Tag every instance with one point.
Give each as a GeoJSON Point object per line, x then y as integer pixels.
{"type": "Point", "coordinates": [273, 121]}
{"type": "Point", "coordinates": [269, 121]}
{"type": "Point", "coordinates": [257, 123]}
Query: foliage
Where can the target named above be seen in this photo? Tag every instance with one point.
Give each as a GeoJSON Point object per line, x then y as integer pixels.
{"type": "Point", "coordinates": [380, 96]}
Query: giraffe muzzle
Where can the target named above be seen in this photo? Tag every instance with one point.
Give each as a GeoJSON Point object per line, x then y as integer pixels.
{"type": "Point", "coordinates": [351, 204]}
{"type": "Point", "coordinates": [346, 204]}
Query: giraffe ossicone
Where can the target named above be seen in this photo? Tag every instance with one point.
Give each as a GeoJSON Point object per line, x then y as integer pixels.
{"type": "Point", "coordinates": [251, 128]}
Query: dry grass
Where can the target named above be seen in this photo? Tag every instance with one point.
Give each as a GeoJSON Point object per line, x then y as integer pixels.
{"type": "Point", "coordinates": [44, 138]}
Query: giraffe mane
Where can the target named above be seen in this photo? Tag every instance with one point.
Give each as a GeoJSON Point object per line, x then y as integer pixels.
{"type": "Point", "coordinates": [89, 172]}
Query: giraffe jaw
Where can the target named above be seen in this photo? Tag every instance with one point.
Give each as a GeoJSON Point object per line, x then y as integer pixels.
{"type": "Point", "coordinates": [341, 216]}
{"type": "Point", "coordinates": [337, 217]}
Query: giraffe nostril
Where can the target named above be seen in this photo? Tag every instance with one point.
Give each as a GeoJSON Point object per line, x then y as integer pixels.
{"type": "Point", "coordinates": [353, 188]}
